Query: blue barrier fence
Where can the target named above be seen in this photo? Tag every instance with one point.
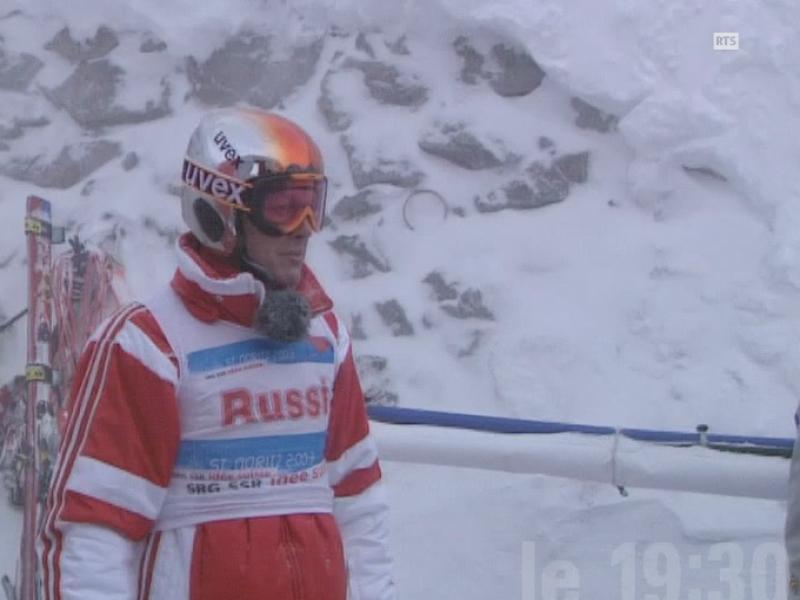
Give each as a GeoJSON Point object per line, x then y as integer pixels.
{"type": "Point", "coordinates": [772, 446]}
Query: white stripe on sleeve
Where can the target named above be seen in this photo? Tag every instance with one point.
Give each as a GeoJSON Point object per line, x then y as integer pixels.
{"type": "Point", "coordinates": [138, 344]}
{"type": "Point", "coordinates": [358, 456]}
{"type": "Point", "coordinates": [111, 484]}
{"type": "Point", "coordinates": [87, 553]}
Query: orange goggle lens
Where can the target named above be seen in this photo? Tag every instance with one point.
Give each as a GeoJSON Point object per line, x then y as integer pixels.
{"type": "Point", "coordinates": [280, 204]}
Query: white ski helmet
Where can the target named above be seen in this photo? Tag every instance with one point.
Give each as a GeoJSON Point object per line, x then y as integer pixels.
{"type": "Point", "coordinates": [236, 161]}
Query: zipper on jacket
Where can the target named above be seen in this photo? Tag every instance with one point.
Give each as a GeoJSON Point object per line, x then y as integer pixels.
{"type": "Point", "coordinates": [295, 572]}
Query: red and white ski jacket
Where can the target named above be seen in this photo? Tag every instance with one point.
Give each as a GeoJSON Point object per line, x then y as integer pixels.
{"type": "Point", "coordinates": [204, 461]}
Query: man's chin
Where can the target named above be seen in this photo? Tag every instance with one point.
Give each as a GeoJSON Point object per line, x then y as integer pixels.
{"type": "Point", "coordinates": [288, 280]}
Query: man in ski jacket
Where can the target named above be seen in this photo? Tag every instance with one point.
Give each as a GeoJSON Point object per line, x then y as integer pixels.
{"type": "Point", "coordinates": [217, 446]}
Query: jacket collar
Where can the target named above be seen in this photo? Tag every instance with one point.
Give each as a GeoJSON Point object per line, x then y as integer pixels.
{"type": "Point", "coordinates": [213, 287]}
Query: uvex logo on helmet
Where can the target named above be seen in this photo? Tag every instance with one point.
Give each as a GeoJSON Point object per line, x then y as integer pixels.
{"type": "Point", "coordinates": [212, 183]}
{"type": "Point", "coordinates": [227, 149]}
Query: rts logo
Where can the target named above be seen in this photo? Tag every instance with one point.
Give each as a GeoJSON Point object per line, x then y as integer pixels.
{"type": "Point", "coordinates": [726, 40]}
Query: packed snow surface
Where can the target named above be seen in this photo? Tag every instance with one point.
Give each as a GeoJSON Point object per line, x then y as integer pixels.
{"type": "Point", "coordinates": [608, 235]}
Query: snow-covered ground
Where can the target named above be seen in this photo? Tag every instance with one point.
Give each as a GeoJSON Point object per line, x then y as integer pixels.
{"type": "Point", "coordinates": [657, 285]}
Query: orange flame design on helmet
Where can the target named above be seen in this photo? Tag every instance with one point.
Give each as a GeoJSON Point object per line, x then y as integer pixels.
{"type": "Point", "coordinates": [292, 149]}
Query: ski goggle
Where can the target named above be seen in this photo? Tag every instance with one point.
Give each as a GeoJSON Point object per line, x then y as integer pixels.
{"type": "Point", "coordinates": [279, 204]}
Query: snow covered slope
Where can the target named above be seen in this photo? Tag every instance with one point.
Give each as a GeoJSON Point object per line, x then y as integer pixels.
{"type": "Point", "coordinates": [570, 211]}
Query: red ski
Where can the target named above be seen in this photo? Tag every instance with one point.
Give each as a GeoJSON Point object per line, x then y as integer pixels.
{"type": "Point", "coordinates": [68, 297]}
{"type": "Point", "coordinates": [38, 373]}
{"type": "Point", "coordinates": [88, 285]}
